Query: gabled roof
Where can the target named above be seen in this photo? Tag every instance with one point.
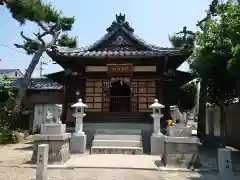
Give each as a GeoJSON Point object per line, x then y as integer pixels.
{"type": "Point", "coordinates": [119, 41]}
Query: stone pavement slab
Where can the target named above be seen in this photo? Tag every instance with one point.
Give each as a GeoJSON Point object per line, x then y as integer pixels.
{"type": "Point", "coordinates": [119, 161]}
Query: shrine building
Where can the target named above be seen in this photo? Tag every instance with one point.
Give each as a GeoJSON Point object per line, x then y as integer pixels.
{"type": "Point", "coordinates": [118, 77]}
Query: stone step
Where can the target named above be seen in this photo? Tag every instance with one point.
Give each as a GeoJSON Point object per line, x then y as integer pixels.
{"type": "Point", "coordinates": [119, 131]}
{"type": "Point", "coordinates": [118, 137]}
{"type": "Point", "coordinates": [118, 143]}
{"type": "Point", "coordinates": [116, 150]}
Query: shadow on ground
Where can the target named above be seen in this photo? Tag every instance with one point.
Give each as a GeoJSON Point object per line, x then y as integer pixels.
{"type": "Point", "coordinates": [28, 148]}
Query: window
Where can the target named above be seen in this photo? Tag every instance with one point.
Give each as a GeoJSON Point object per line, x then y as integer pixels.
{"type": "Point", "coordinates": [144, 93]}
{"type": "Point", "coordinates": [93, 97]}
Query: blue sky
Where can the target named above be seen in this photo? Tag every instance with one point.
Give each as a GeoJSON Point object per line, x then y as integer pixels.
{"type": "Point", "coordinates": [152, 20]}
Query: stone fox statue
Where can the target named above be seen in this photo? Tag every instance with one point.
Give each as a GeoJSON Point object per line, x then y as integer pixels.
{"type": "Point", "coordinates": [177, 115]}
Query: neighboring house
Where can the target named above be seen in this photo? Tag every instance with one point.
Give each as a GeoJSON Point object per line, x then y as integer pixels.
{"type": "Point", "coordinates": [11, 73]}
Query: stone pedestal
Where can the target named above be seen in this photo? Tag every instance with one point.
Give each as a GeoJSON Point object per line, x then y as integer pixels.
{"type": "Point", "coordinates": [78, 143]}
{"type": "Point", "coordinates": [179, 131]}
{"type": "Point", "coordinates": [53, 129]}
{"type": "Point", "coordinates": [58, 147]}
{"type": "Point", "coordinates": [157, 144]}
{"type": "Point", "coordinates": [181, 152]}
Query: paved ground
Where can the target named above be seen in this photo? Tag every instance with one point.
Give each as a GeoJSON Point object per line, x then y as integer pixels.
{"type": "Point", "coordinates": [19, 154]}
{"type": "Point", "coordinates": [104, 174]}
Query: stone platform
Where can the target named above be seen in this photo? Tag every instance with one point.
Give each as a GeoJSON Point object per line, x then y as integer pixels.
{"type": "Point", "coordinates": [181, 152]}
{"type": "Point", "coordinates": [58, 147]}
{"type": "Point", "coordinates": [117, 144]}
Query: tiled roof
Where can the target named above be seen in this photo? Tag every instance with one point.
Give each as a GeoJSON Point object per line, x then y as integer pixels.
{"type": "Point", "coordinates": [6, 71]}
{"type": "Point", "coordinates": [38, 83]}
{"type": "Point", "coordinates": [117, 52]}
{"type": "Point", "coordinates": [124, 49]}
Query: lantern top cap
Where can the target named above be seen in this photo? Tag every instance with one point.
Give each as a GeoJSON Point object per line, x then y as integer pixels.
{"type": "Point", "coordinates": [156, 105]}
{"type": "Point", "coordinates": [79, 104]}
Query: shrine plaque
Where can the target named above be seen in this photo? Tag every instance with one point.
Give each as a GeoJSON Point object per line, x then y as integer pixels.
{"type": "Point", "coordinates": [120, 69]}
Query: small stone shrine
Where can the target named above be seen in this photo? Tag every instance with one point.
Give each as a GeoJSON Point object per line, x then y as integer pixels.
{"type": "Point", "coordinates": [180, 147]}
{"type": "Point", "coordinates": [157, 138]}
{"type": "Point", "coordinates": [78, 139]}
{"type": "Point", "coordinates": [54, 134]}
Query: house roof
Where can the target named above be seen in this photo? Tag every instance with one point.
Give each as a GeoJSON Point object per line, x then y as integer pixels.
{"type": "Point", "coordinates": [6, 71]}
{"type": "Point", "coordinates": [38, 84]}
{"type": "Point", "coordinates": [119, 41]}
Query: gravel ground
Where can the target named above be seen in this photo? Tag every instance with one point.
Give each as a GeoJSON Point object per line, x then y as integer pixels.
{"type": "Point", "coordinates": [7, 173]}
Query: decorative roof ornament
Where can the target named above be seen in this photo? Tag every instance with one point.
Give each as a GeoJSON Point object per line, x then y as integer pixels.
{"type": "Point", "coordinates": [120, 22]}
{"type": "Point", "coordinates": [120, 18]}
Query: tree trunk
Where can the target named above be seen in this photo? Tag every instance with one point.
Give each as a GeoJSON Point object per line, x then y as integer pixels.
{"type": "Point", "coordinates": [238, 86]}
{"type": "Point", "coordinates": [223, 123]}
{"type": "Point", "coordinates": [25, 83]}
{"type": "Point", "coordinates": [202, 111]}
{"type": "Point", "coordinates": [65, 105]}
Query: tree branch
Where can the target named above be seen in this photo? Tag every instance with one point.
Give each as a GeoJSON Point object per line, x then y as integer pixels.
{"type": "Point", "coordinates": [43, 26]}
{"type": "Point", "coordinates": [54, 39]}
{"type": "Point", "coordinates": [19, 46]}
{"type": "Point", "coordinates": [39, 37]}
{"type": "Point", "coordinates": [25, 37]}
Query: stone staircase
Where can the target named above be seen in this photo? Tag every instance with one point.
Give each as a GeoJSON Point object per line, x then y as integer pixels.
{"type": "Point", "coordinates": [117, 144]}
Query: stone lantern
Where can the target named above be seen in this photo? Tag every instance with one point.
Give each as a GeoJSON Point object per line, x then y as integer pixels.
{"type": "Point", "coordinates": [157, 138]}
{"type": "Point", "coordinates": [78, 140]}
{"type": "Point", "coordinates": [156, 115]}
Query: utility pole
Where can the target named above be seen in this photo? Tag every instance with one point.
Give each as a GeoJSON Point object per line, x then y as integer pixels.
{"type": "Point", "coordinates": [42, 63]}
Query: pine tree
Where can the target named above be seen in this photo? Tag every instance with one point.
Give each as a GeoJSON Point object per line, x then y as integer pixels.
{"type": "Point", "coordinates": [51, 23]}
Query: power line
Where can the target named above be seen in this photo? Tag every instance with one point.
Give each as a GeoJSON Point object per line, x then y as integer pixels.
{"type": "Point", "coordinates": [13, 49]}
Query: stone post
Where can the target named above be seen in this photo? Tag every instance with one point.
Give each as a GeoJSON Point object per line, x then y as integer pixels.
{"type": "Point", "coordinates": [157, 138]}
{"type": "Point", "coordinates": [78, 140]}
{"type": "Point", "coordinates": [225, 164]}
{"type": "Point", "coordinates": [42, 162]}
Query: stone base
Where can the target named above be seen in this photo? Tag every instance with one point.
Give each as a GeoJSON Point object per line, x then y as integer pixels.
{"type": "Point", "coordinates": [181, 152]}
{"type": "Point", "coordinates": [78, 143]}
{"type": "Point", "coordinates": [179, 131]}
{"type": "Point", "coordinates": [53, 129]}
{"type": "Point", "coordinates": [58, 147]}
{"type": "Point", "coordinates": [117, 150]}
{"type": "Point", "coordinates": [157, 144]}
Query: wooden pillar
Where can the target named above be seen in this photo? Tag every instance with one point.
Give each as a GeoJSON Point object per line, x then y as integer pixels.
{"type": "Point", "coordinates": [64, 104]}
{"type": "Point", "coordinates": [159, 84]}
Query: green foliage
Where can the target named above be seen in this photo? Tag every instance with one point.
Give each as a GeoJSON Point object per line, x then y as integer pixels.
{"type": "Point", "coordinates": [67, 41]}
{"type": "Point", "coordinates": [183, 38]}
{"type": "Point", "coordinates": [188, 96]}
{"type": "Point", "coordinates": [216, 50]}
{"type": "Point", "coordinates": [7, 93]}
{"type": "Point", "coordinates": [178, 40]}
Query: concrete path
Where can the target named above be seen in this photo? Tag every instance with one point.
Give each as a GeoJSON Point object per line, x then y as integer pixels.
{"type": "Point", "coordinates": [114, 161]}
